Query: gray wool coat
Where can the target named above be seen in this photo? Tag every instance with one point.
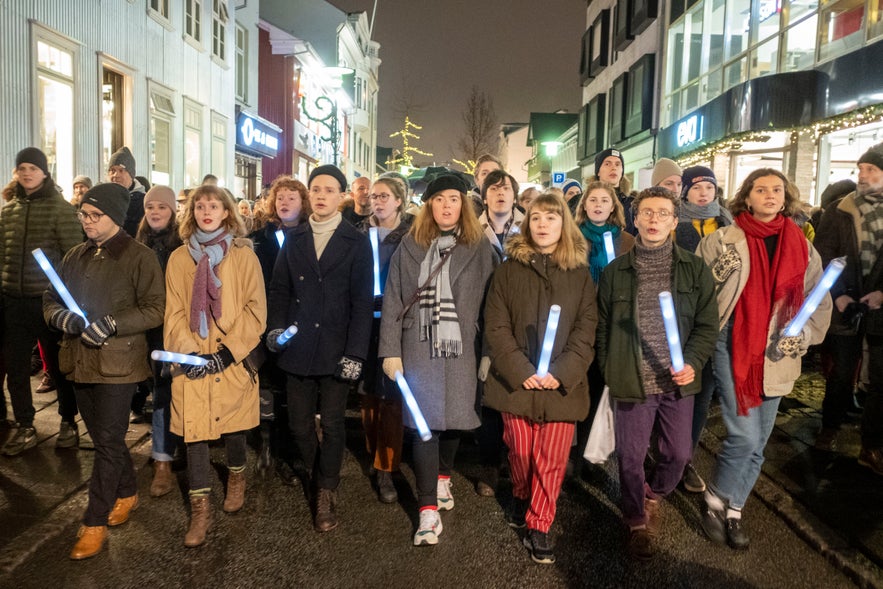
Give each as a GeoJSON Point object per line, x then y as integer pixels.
{"type": "Point", "coordinates": [445, 388]}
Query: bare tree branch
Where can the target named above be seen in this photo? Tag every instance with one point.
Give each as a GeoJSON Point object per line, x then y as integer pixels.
{"type": "Point", "coordinates": [480, 127]}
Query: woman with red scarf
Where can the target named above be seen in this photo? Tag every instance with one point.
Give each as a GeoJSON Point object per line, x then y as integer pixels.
{"type": "Point", "coordinates": [763, 267]}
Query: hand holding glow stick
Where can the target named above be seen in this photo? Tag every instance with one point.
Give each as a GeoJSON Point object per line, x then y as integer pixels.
{"type": "Point", "coordinates": [413, 407]}
{"type": "Point", "coordinates": [60, 288]}
{"type": "Point", "coordinates": [286, 335]}
{"type": "Point", "coordinates": [164, 356]}
{"type": "Point", "coordinates": [811, 303]}
{"type": "Point", "coordinates": [549, 341]}
{"type": "Point", "coordinates": [671, 330]}
{"type": "Point", "coordinates": [608, 246]}
{"type": "Point", "coordinates": [375, 250]}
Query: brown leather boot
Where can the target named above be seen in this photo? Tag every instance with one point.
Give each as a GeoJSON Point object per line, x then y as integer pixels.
{"type": "Point", "coordinates": [326, 516]}
{"type": "Point", "coordinates": [122, 509]}
{"type": "Point", "coordinates": [200, 520]}
{"type": "Point", "coordinates": [163, 479]}
{"type": "Point", "coordinates": [91, 540]}
{"type": "Point", "coordinates": [235, 492]}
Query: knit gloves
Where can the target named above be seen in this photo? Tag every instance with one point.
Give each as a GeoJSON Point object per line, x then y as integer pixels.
{"type": "Point", "coordinates": [392, 365]}
{"type": "Point", "coordinates": [348, 369]}
{"type": "Point", "coordinates": [272, 337]}
{"type": "Point", "coordinates": [67, 322]}
{"type": "Point", "coordinates": [98, 331]}
{"type": "Point", "coordinates": [215, 363]}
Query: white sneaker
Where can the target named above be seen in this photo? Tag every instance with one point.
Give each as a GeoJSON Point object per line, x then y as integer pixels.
{"type": "Point", "coordinates": [443, 495]}
{"type": "Point", "coordinates": [429, 529]}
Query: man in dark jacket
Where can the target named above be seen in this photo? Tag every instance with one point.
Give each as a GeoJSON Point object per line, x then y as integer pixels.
{"type": "Point", "coordinates": [634, 356]}
{"type": "Point", "coordinates": [323, 284]}
{"type": "Point", "coordinates": [853, 227]}
{"type": "Point", "coordinates": [37, 217]}
{"type": "Point", "coordinates": [121, 170]}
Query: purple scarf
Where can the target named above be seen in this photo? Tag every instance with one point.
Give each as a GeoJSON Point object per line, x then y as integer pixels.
{"type": "Point", "coordinates": [207, 250]}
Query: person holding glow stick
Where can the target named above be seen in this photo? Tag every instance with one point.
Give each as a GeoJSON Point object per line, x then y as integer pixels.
{"type": "Point", "coordinates": [381, 400]}
{"type": "Point", "coordinates": [763, 266]}
{"type": "Point", "coordinates": [634, 356]}
{"type": "Point", "coordinates": [118, 283]}
{"type": "Point", "coordinates": [429, 332]}
{"type": "Point", "coordinates": [546, 264]}
{"type": "Point", "coordinates": [36, 216]}
{"type": "Point", "coordinates": [216, 309]}
{"type": "Point", "coordinates": [286, 207]}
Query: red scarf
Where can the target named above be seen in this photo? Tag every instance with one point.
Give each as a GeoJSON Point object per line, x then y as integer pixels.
{"type": "Point", "coordinates": [776, 288]}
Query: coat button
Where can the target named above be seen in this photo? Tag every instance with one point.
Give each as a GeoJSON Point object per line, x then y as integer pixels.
{"type": "Point", "coordinates": [218, 379]}
{"type": "Point", "coordinates": [217, 419]}
{"type": "Point", "coordinates": [300, 277]}
{"type": "Point", "coordinates": [218, 340]}
{"type": "Point", "coordinates": [317, 325]}
{"type": "Point", "coordinates": [296, 300]}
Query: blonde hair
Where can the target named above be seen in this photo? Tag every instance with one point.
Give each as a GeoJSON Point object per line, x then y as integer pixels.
{"type": "Point", "coordinates": [233, 223]}
{"type": "Point", "coordinates": [617, 215]}
{"type": "Point", "coordinates": [572, 250]}
{"type": "Point", "coordinates": [425, 230]}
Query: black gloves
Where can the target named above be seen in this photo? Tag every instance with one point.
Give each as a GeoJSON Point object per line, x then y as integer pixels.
{"type": "Point", "coordinates": [348, 369]}
{"type": "Point", "coordinates": [216, 363]}
{"type": "Point", "coordinates": [98, 331]}
{"type": "Point", "coordinates": [272, 336]}
{"type": "Point", "coordinates": [67, 321]}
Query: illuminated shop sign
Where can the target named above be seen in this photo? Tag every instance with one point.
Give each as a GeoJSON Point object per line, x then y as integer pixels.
{"type": "Point", "coordinates": [689, 130]}
{"type": "Point", "coordinates": [256, 136]}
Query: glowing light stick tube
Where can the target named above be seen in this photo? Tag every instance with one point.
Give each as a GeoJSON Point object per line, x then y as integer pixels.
{"type": "Point", "coordinates": [549, 340]}
{"type": "Point", "coordinates": [608, 246]}
{"type": "Point", "coordinates": [413, 407]}
{"type": "Point", "coordinates": [375, 249]}
{"type": "Point", "coordinates": [286, 335]}
{"type": "Point", "coordinates": [55, 279]}
{"type": "Point", "coordinates": [280, 237]}
{"type": "Point", "coordinates": [671, 330]}
{"type": "Point", "coordinates": [163, 356]}
{"type": "Point", "coordinates": [811, 303]}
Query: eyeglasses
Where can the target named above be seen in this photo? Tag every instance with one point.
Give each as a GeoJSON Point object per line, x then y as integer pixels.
{"type": "Point", "coordinates": [647, 214]}
{"type": "Point", "coordinates": [382, 197]}
{"type": "Point", "coordinates": [90, 217]}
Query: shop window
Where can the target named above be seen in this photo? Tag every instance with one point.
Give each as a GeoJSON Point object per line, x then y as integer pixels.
{"type": "Point", "coordinates": [192, 143]}
{"type": "Point", "coordinates": [695, 21]}
{"type": "Point", "coordinates": [796, 10]}
{"type": "Point", "coordinates": [763, 59]}
{"type": "Point", "coordinates": [622, 31]}
{"type": "Point", "coordinates": [800, 45]}
{"type": "Point", "coordinates": [162, 113]}
{"type": "Point", "coordinates": [219, 29]}
{"type": "Point", "coordinates": [735, 73]}
{"type": "Point", "coordinates": [241, 65]}
{"type": "Point", "coordinates": [644, 14]}
{"type": "Point", "coordinates": [876, 18]}
{"type": "Point", "coordinates": [618, 91]}
{"type": "Point", "coordinates": [768, 12]}
{"type": "Point", "coordinates": [193, 20]}
{"type": "Point", "coordinates": [115, 116]}
{"type": "Point", "coordinates": [716, 37]}
{"type": "Point", "coordinates": [738, 23]}
{"type": "Point", "coordinates": [712, 85]}
{"type": "Point", "coordinates": [54, 97]}
{"type": "Point", "coordinates": [840, 30]}
{"type": "Point", "coordinates": [639, 103]}
{"type": "Point", "coordinates": [600, 43]}
{"type": "Point", "coordinates": [675, 50]}
{"type": "Point", "coordinates": [219, 147]}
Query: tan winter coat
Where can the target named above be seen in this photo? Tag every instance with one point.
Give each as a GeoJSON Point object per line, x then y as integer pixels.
{"type": "Point", "coordinates": [216, 404]}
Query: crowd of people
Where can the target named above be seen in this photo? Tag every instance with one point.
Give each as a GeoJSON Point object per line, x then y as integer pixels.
{"type": "Point", "coordinates": [459, 305]}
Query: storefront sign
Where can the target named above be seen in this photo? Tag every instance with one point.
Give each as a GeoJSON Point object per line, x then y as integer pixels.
{"type": "Point", "coordinates": [689, 130]}
{"type": "Point", "coordinates": [255, 136]}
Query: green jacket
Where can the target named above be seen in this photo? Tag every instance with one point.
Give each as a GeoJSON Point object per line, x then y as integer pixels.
{"type": "Point", "coordinates": [619, 339]}
{"type": "Point", "coordinates": [42, 219]}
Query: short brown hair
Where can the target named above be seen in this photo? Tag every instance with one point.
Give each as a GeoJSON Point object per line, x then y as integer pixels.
{"type": "Point", "coordinates": [233, 223]}
{"type": "Point", "coordinates": [656, 192]}
{"type": "Point", "coordinates": [617, 215]}
{"type": "Point", "coordinates": [496, 177]}
{"type": "Point", "coordinates": [739, 203]}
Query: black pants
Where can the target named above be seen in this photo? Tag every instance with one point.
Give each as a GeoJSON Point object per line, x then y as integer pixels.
{"type": "Point", "coordinates": [325, 395]}
{"type": "Point", "coordinates": [431, 459]}
{"type": "Point", "coordinates": [105, 409]}
{"type": "Point", "coordinates": [845, 352]}
{"type": "Point", "coordinates": [23, 327]}
{"type": "Point", "coordinates": [490, 438]}
{"type": "Point", "coordinates": [199, 464]}
{"type": "Point", "coordinates": [872, 416]}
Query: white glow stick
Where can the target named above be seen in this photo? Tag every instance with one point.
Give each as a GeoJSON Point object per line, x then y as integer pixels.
{"type": "Point", "coordinates": [608, 246]}
{"type": "Point", "coordinates": [413, 407]}
{"type": "Point", "coordinates": [280, 237]}
{"type": "Point", "coordinates": [671, 330]}
{"type": "Point", "coordinates": [55, 279]}
{"type": "Point", "coordinates": [375, 249]}
{"type": "Point", "coordinates": [549, 341]}
{"type": "Point", "coordinates": [811, 303]}
{"type": "Point", "coordinates": [286, 335]}
{"type": "Point", "coordinates": [163, 356]}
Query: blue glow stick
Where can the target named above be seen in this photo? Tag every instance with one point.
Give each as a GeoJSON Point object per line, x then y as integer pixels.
{"type": "Point", "coordinates": [608, 246]}
{"type": "Point", "coordinates": [413, 407]}
{"type": "Point", "coordinates": [163, 356]}
{"type": "Point", "coordinates": [811, 303]}
{"type": "Point", "coordinates": [280, 237]}
{"type": "Point", "coordinates": [375, 249]}
{"type": "Point", "coordinates": [671, 330]}
{"type": "Point", "coordinates": [549, 341]}
{"type": "Point", "coordinates": [55, 279]}
{"type": "Point", "coordinates": [286, 335]}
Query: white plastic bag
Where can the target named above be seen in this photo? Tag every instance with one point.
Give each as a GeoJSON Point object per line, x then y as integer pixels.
{"type": "Point", "coordinates": [602, 441]}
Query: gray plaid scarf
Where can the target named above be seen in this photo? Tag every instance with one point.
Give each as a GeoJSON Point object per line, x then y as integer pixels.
{"type": "Point", "coordinates": [871, 208]}
{"type": "Point", "coordinates": [438, 314]}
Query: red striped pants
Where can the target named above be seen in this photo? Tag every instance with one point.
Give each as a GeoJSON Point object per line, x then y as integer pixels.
{"type": "Point", "coordinates": [538, 455]}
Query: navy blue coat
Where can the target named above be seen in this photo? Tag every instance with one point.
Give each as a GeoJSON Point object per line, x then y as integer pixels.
{"type": "Point", "coordinates": [330, 300]}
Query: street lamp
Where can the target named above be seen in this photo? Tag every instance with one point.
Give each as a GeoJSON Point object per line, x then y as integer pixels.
{"type": "Point", "coordinates": [327, 110]}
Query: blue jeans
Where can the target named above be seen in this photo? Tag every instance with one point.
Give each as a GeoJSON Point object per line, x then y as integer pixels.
{"type": "Point", "coordinates": [741, 454]}
{"type": "Point", "coordinates": [164, 442]}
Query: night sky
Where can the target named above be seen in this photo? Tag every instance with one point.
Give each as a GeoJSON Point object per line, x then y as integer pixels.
{"type": "Point", "coordinates": [523, 53]}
